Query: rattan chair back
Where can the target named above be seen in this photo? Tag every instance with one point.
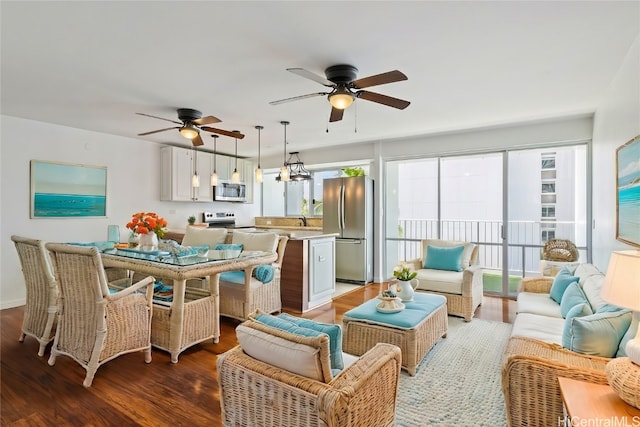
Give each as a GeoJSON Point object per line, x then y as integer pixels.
{"type": "Point", "coordinates": [560, 250]}
{"type": "Point", "coordinates": [95, 326]}
{"type": "Point", "coordinates": [40, 308]}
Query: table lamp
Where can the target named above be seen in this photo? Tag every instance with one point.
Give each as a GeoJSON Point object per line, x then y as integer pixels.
{"type": "Point", "coordinates": [622, 288]}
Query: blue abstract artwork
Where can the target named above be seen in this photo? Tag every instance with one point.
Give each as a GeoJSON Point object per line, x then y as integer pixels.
{"type": "Point", "coordinates": [67, 190]}
{"type": "Point", "coordinates": [628, 192]}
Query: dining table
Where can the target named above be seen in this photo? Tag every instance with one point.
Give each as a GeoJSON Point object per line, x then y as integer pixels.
{"type": "Point", "coordinates": [192, 315]}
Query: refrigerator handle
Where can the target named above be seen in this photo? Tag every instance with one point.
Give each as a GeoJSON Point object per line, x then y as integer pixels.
{"type": "Point", "coordinates": [341, 208]}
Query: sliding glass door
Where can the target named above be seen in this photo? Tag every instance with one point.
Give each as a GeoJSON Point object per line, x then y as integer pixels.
{"type": "Point", "coordinates": [508, 203]}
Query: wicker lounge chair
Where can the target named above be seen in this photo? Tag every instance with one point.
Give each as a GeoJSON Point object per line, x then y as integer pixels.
{"type": "Point", "coordinates": [42, 292]}
{"type": "Point", "coordinates": [238, 300]}
{"type": "Point", "coordinates": [253, 392]}
{"type": "Point", "coordinates": [95, 326]}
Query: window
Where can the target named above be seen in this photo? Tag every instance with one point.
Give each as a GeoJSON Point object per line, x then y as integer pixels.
{"type": "Point", "coordinates": [548, 235]}
{"type": "Point", "coordinates": [549, 187]}
{"type": "Point", "coordinates": [295, 198]}
{"type": "Point", "coordinates": [548, 212]}
{"type": "Point", "coordinates": [548, 161]}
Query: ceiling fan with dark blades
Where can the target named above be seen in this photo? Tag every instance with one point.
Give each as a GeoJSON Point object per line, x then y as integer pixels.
{"type": "Point", "coordinates": [191, 123]}
{"type": "Point", "coordinates": [345, 88]}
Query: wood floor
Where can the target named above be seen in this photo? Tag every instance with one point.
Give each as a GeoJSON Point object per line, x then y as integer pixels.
{"type": "Point", "coordinates": [126, 391]}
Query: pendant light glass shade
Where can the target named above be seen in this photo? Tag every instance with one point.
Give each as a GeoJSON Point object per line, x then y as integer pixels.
{"type": "Point", "coordinates": [235, 176]}
{"type": "Point", "coordinates": [195, 179]}
{"type": "Point", "coordinates": [214, 174]}
{"type": "Point", "coordinates": [258, 170]}
{"type": "Point", "coordinates": [284, 171]}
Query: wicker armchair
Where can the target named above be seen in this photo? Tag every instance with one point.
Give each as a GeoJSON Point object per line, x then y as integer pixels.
{"type": "Point", "coordinates": [42, 292]}
{"type": "Point", "coordinates": [95, 326]}
{"type": "Point", "coordinates": [238, 300]}
{"type": "Point", "coordinates": [530, 371]}
{"type": "Point", "coordinates": [364, 394]}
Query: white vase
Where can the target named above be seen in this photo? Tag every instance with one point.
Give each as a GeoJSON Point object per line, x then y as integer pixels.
{"type": "Point", "coordinates": [405, 289]}
{"type": "Point", "coordinates": [149, 242]}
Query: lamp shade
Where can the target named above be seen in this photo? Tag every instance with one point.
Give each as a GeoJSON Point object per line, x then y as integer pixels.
{"type": "Point", "coordinates": [622, 283]}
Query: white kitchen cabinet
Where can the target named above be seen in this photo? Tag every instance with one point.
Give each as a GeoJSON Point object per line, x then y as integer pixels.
{"type": "Point", "coordinates": [177, 166]}
{"type": "Point", "coordinates": [322, 272]}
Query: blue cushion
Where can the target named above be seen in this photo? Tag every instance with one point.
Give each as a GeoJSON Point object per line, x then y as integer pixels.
{"type": "Point", "coordinates": [444, 258]}
{"type": "Point", "coordinates": [236, 277]}
{"type": "Point", "coordinates": [231, 246]}
{"type": "Point", "coordinates": [572, 296]}
{"type": "Point", "coordinates": [598, 334]}
{"type": "Point", "coordinates": [560, 283]}
{"type": "Point", "coordinates": [264, 273]}
{"type": "Point", "coordinates": [334, 332]}
{"type": "Point", "coordinates": [286, 326]}
{"type": "Point", "coordinates": [414, 312]}
{"type": "Point", "coordinates": [578, 310]}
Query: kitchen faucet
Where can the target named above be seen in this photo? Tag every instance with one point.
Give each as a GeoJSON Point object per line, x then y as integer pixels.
{"type": "Point", "coordinates": [304, 220]}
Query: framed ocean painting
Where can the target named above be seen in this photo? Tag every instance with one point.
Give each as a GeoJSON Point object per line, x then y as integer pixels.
{"type": "Point", "coordinates": [61, 190]}
{"type": "Point", "coordinates": [628, 192]}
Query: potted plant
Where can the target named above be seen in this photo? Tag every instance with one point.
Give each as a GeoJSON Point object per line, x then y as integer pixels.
{"type": "Point", "coordinates": [191, 220]}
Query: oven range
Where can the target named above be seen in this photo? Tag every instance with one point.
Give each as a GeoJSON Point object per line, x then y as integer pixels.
{"type": "Point", "coordinates": [219, 219]}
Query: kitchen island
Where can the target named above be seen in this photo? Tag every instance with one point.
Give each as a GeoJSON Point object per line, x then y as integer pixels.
{"type": "Point", "coordinates": [308, 277]}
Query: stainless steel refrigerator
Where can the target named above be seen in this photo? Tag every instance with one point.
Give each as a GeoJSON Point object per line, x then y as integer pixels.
{"type": "Point", "coordinates": [348, 211]}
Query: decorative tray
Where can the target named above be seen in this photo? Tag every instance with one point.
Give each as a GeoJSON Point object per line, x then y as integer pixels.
{"type": "Point", "coordinates": [389, 304]}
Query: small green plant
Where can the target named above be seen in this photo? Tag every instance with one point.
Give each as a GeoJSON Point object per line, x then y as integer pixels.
{"type": "Point", "coordinates": [191, 220]}
{"type": "Point", "coordinates": [353, 171]}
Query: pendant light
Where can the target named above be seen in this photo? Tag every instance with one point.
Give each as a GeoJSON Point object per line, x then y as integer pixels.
{"type": "Point", "coordinates": [235, 177]}
{"type": "Point", "coordinates": [195, 179]}
{"type": "Point", "coordinates": [284, 172]}
{"type": "Point", "coordinates": [258, 170]}
{"type": "Point", "coordinates": [214, 175]}
{"type": "Point", "coordinates": [297, 171]}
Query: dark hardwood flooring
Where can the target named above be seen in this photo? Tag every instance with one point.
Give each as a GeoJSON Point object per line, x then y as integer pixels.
{"type": "Point", "coordinates": [126, 391]}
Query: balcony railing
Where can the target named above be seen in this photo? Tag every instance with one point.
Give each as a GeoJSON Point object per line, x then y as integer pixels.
{"type": "Point", "coordinates": [524, 237]}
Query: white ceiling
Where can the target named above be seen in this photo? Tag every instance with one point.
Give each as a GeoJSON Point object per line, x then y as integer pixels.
{"type": "Point", "coordinates": [93, 65]}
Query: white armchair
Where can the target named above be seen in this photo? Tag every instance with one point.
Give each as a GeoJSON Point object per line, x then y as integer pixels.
{"type": "Point", "coordinates": [463, 289]}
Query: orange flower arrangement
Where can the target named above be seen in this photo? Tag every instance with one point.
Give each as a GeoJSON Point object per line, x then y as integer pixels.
{"type": "Point", "coordinates": [147, 222]}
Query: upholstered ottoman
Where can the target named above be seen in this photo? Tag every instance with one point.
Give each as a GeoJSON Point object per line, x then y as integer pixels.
{"type": "Point", "coordinates": [415, 329]}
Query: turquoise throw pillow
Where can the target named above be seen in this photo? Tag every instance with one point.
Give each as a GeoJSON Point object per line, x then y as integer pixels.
{"type": "Point", "coordinates": [229, 246]}
{"type": "Point", "coordinates": [579, 310]}
{"type": "Point", "coordinates": [560, 284]}
{"type": "Point", "coordinates": [572, 297]}
{"type": "Point", "coordinates": [334, 332]}
{"type": "Point", "coordinates": [264, 273]}
{"type": "Point", "coordinates": [598, 334]}
{"type": "Point", "coordinates": [444, 258]}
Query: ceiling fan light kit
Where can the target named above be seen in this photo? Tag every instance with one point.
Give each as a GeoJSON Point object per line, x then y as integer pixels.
{"type": "Point", "coordinates": [189, 131]}
{"type": "Point", "coordinates": [341, 99]}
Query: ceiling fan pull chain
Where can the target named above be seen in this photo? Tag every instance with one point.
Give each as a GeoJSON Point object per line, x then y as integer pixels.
{"type": "Point", "coordinates": [355, 122]}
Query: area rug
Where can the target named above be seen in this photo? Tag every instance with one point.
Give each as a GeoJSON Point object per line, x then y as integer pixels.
{"type": "Point", "coordinates": [458, 381]}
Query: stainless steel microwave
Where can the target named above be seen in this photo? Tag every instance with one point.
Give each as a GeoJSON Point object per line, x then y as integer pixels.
{"type": "Point", "coordinates": [229, 192]}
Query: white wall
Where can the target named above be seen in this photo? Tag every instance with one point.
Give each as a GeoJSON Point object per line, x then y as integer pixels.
{"type": "Point", "coordinates": [133, 184]}
{"type": "Point", "coordinates": [617, 120]}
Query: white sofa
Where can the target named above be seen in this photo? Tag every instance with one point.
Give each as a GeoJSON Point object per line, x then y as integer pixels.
{"type": "Point", "coordinates": [535, 357]}
{"type": "Point", "coordinates": [463, 289]}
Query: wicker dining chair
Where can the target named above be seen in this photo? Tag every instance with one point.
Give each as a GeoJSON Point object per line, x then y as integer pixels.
{"type": "Point", "coordinates": [237, 299]}
{"type": "Point", "coordinates": [95, 326]}
{"type": "Point", "coordinates": [40, 308]}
